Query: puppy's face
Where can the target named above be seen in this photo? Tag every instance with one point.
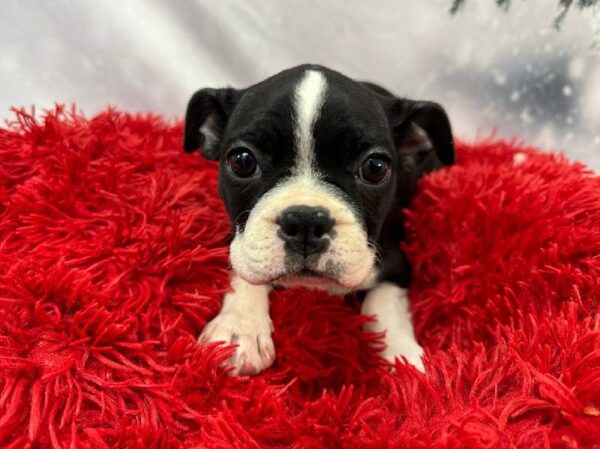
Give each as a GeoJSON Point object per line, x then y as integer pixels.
{"type": "Point", "coordinates": [311, 162]}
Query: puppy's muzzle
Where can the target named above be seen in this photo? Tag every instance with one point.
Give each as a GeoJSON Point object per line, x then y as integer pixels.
{"type": "Point", "coordinates": [305, 230]}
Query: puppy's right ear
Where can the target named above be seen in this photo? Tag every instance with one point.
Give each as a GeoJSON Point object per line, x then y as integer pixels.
{"type": "Point", "coordinates": [206, 118]}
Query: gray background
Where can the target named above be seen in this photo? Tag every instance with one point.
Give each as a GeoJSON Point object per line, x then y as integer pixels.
{"type": "Point", "coordinates": [511, 72]}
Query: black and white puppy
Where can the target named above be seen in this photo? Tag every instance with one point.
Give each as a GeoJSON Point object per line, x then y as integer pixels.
{"type": "Point", "coordinates": [315, 169]}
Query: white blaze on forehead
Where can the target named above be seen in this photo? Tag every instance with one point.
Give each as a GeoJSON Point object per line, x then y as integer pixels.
{"type": "Point", "coordinates": [308, 99]}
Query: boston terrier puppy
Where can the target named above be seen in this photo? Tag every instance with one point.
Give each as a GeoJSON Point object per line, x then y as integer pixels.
{"type": "Point", "coordinates": [314, 170]}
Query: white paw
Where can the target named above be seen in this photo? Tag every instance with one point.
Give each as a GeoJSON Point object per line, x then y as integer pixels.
{"type": "Point", "coordinates": [410, 350]}
{"type": "Point", "coordinates": [388, 303]}
{"type": "Point", "coordinates": [255, 351]}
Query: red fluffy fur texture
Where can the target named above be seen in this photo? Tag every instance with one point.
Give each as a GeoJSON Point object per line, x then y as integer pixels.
{"type": "Point", "coordinates": [113, 256]}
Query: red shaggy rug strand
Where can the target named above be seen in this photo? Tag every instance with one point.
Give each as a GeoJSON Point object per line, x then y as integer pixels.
{"type": "Point", "coordinates": [113, 256]}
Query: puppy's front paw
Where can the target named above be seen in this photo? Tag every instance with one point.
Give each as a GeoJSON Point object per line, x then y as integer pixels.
{"type": "Point", "coordinates": [255, 351]}
{"type": "Point", "coordinates": [404, 347]}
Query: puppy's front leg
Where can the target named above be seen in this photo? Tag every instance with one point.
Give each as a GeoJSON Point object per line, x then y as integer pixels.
{"type": "Point", "coordinates": [244, 320]}
{"type": "Point", "coordinates": [389, 304]}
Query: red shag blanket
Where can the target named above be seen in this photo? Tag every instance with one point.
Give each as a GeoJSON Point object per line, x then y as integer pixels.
{"type": "Point", "coordinates": [113, 255]}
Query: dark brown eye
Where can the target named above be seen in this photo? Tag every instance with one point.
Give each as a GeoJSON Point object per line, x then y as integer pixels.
{"type": "Point", "coordinates": [375, 169]}
{"type": "Point", "coordinates": [242, 162]}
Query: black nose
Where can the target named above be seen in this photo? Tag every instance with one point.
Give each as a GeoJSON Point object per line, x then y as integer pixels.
{"type": "Point", "coordinates": [305, 229]}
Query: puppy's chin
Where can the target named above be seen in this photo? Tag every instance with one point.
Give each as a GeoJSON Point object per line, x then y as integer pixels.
{"type": "Point", "coordinates": [314, 281]}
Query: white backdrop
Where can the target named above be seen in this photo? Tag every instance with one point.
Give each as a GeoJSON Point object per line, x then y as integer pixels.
{"type": "Point", "coordinates": [511, 71]}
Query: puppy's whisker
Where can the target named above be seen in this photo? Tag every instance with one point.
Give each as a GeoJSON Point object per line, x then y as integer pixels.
{"type": "Point", "coordinates": [377, 251]}
{"type": "Point", "coordinates": [241, 216]}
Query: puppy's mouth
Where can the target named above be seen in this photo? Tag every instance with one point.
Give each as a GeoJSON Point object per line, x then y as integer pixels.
{"type": "Point", "coordinates": [308, 278]}
{"type": "Point", "coordinates": [305, 274]}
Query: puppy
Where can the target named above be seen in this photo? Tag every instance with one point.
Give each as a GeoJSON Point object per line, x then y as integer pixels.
{"type": "Point", "coordinates": [314, 170]}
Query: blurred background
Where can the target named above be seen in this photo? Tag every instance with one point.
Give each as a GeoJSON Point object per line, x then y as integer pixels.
{"type": "Point", "coordinates": [508, 70]}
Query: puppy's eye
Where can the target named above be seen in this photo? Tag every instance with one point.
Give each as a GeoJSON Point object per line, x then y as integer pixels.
{"type": "Point", "coordinates": [375, 169]}
{"type": "Point", "coordinates": [242, 162]}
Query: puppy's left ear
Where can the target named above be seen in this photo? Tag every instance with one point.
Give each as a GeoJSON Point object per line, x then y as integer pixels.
{"type": "Point", "coordinates": [422, 130]}
{"type": "Point", "coordinates": [206, 118]}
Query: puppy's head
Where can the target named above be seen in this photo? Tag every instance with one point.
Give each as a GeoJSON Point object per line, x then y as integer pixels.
{"type": "Point", "coordinates": [311, 162]}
